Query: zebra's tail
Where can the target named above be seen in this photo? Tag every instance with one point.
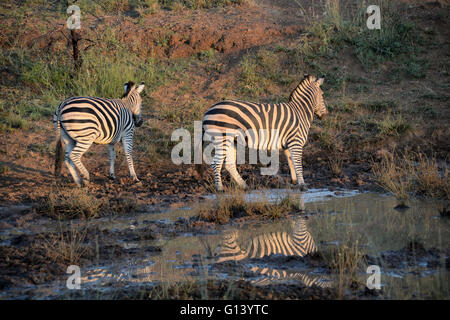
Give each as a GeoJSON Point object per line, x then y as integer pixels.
{"type": "Point", "coordinates": [59, 154]}
{"type": "Point", "coordinates": [198, 148]}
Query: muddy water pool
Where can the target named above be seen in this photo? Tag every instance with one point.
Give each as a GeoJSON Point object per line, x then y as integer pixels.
{"type": "Point", "coordinates": [410, 247]}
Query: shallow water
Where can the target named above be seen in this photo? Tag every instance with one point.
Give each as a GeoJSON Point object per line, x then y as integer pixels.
{"type": "Point", "coordinates": [275, 195]}
{"type": "Point", "coordinates": [364, 222]}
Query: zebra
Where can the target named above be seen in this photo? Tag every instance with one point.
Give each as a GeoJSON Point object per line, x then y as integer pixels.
{"type": "Point", "coordinates": [270, 275]}
{"type": "Point", "coordinates": [300, 244]}
{"type": "Point", "coordinates": [82, 121]}
{"type": "Point", "coordinates": [227, 120]}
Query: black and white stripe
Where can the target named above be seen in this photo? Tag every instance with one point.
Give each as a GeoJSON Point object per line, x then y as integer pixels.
{"type": "Point", "coordinates": [82, 121]}
{"type": "Point", "coordinates": [282, 126]}
{"type": "Point", "coordinates": [269, 275]}
{"type": "Point", "coordinates": [299, 243]}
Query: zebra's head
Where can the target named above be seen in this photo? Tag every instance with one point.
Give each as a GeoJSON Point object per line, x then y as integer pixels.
{"type": "Point", "coordinates": [319, 106]}
{"type": "Point", "coordinates": [309, 91]}
{"type": "Point", "coordinates": [133, 97]}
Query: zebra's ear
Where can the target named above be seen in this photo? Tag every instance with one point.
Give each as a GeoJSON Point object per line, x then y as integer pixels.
{"type": "Point", "coordinates": [320, 81]}
{"type": "Point", "coordinates": [126, 87]}
{"type": "Point", "coordinates": [140, 87]}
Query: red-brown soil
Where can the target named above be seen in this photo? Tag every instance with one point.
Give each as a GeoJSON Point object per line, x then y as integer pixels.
{"type": "Point", "coordinates": [170, 33]}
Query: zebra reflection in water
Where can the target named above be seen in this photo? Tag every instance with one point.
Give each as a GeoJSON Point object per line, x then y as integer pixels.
{"type": "Point", "coordinates": [299, 243]}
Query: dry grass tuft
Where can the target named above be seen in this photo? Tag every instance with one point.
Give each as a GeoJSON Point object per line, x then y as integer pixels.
{"type": "Point", "coordinates": [412, 174]}
{"type": "Point", "coordinates": [71, 203]}
{"type": "Point", "coordinates": [428, 180]}
{"type": "Point", "coordinates": [67, 246]}
{"type": "Point", "coordinates": [76, 203]}
{"type": "Point", "coordinates": [234, 205]}
{"type": "Point", "coordinates": [346, 261]}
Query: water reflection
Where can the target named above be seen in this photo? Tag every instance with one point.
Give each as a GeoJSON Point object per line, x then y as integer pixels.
{"type": "Point", "coordinates": [284, 243]}
{"type": "Point", "coordinates": [270, 275]}
{"type": "Point", "coordinates": [299, 243]}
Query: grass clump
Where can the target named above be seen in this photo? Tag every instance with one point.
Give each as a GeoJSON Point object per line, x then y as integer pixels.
{"type": "Point", "coordinates": [68, 245]}
{"type": "Point", "coordinates": [250, 79]}
{"type": "Point", "coordinates": [79, 203]}
{"type": "Point", "coordinates": [235, 205]}
{"type": "Point", "coordinates": [390, 176]}
{"type": "Point", "coordinates": [346, 26]}
{"type": "Point", "coordinates": [429, 180]}
{"type": "Point", "coordinates": [393, 126]}
{"type": "Point", "coordinates": [412, 174]}
{"type": "Point", "coordinates": [73, 203]}
{"type": "Point", "coordinates": [11, 120]}
{"type": "Point", "coordinates": [346, 261]}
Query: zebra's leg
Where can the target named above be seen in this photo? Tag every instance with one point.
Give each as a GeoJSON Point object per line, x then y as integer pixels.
{"type": "Point", "coordinates": [287, 153]}
{"type": "Point", "coordinates": [230, 165]}
{"type": "Point", "coordinates": [128, 148]}
{"type": "Point", "coordinates": [112, 159]}
{"type": "Point", "coordinates": [70, 145]}
{"type": "Point", "coordinates": [75, 156]}
{"type": "Point", "coordinates": [296, 156]}
{"type": "Point", "coordinates": [220, 145]}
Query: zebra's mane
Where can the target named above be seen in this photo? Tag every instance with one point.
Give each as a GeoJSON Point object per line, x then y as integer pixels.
{"type": "Point", "coordinates": [308, 79]}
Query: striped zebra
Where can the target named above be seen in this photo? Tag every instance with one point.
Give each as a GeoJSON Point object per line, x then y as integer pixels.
{"type": "Point", "coordinates": [228, 120]}
{"type": "Point", "coordinates": [82, 121]}
{"type": "Point", "coordinates": [299, 243]}
{"type": "Point", "coordinates": [269, 275]}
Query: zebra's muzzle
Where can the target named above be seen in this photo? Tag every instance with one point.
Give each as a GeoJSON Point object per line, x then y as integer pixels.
{"type": "Point", "coordinates": [323, 116]}
{"type": "Point", "coordinates": [138, 122]}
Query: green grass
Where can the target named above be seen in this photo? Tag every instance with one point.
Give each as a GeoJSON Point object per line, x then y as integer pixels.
{"type": "Point", "coordinates": [250, 80]}
{"type": "Point", "coordinates": [346, 27]}
{"type": "Point", "coordinates": [393, 126]}
{"type": "Point", "coordinates": [49, 79]}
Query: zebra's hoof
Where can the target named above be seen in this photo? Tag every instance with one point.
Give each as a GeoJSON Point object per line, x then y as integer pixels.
{"type": "Point", "coordinates": [112, 177]}
{"type": "Point", "coordinates": [302, 187]}
{"type": "Point", "coordinates": [138, 183]}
